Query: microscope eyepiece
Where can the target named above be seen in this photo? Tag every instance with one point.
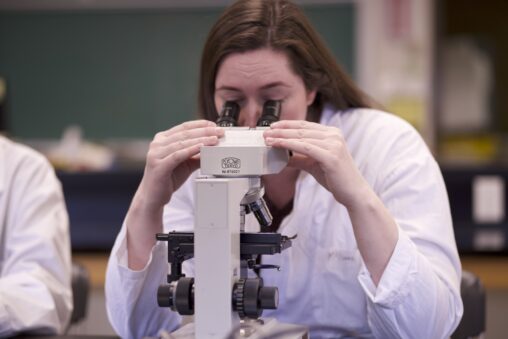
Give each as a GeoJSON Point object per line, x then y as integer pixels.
{"type": "Point", "coordinates": [271, 113]}
{"type": "Point", "coordinates": [228, 116]}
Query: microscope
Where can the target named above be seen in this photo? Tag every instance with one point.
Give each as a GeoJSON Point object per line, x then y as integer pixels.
{"type": "Point", "coordinates": [225, 301]}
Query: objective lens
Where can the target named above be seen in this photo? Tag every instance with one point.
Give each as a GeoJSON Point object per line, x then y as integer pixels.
{"type": "Point", "coordinates": [271, 113]}
{"type": "Point", "coordinates": [261, 212]}
{"type": "Point", "coordinates": [229, 114]}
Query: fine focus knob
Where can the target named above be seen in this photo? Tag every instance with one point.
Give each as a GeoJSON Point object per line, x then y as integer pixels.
{"type": "Point", "coordinates": [269, 298]}
{"type": "Point", "coordinates": [179, 296]}
{"type": "Point", "coordinates": [165, 296]}
{"type": "Point", "coordinates": [250, 298]}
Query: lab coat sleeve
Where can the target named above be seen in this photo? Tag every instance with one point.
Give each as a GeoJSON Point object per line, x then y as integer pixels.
{"type": "Point", "coordinates": [131, 296]}
{"type": "Point", "coordinates": [418, 295]}
{"type": "Point", "coordinates": [35, 280]}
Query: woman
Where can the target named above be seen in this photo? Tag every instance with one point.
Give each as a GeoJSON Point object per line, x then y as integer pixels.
{"type": "Point", "coordinates": [375, 253]}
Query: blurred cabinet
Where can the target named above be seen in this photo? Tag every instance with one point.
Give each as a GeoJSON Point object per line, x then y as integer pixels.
{"type": "Point", "coordinates": [98, 202]}
{"type": "Point", "coordinates": [478, 206]}
{"type": "Point", "coordinates": [97, 205]}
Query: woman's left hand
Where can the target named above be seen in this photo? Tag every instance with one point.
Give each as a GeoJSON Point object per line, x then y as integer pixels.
{"type": "Point", "coordinates": [321, 151]}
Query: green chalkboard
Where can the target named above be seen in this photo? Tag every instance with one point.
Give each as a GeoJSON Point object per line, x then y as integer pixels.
{"type": "Point", "coordinates": [119, 74]}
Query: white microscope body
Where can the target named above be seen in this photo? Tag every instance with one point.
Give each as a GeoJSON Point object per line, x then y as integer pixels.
{"type": "Point", "coordinates": [229, 187]}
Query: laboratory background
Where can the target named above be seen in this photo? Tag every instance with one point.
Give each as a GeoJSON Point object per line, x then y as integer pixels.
{"type": "Point", "coordinates": [88, 84]}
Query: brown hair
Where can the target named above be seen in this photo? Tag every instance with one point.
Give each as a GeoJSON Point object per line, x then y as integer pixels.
{"type": "Point", "coordinates": [281, 25]}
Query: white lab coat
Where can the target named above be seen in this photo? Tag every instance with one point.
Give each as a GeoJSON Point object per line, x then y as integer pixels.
{"type": "Point", "coordinates": [323, 282]}
{"type": "Point", "coordinates": [35, 261]}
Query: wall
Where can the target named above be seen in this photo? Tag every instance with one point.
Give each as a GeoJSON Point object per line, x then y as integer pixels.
{"type": "Point", "coordinates": [119, 73]}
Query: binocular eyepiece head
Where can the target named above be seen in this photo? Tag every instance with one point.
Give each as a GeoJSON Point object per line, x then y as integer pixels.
{"type": "Point", "coordinates": [231, 110]}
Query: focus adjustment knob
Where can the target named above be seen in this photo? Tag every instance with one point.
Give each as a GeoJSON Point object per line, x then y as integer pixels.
{"type": "Point", "coordinates": [250, 298]}
{"type": "Point", "coordinates": [269, 298]}
{"type": "Point", "coordinates": [165, 296]}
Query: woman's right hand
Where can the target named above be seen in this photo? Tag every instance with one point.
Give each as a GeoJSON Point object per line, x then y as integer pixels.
{"type": "Point", "coordinates": [171, 158]}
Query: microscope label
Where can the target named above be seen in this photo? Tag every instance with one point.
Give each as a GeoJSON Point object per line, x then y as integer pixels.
{"type": "Point", "coordinates": [231, 162]}
{"type": "Point", "coordinates": [231, 165]}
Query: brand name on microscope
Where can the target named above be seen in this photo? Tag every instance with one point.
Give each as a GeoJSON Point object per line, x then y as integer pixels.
{"type": "Point", "coordinates": [231, 165]}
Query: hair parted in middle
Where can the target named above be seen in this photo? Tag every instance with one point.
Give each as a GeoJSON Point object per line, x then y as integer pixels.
{"type": "Point", "coordinates": [280, 25]}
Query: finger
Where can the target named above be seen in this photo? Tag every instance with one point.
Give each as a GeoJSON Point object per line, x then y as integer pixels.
{"type": "Point", "coordinates": [330, 145]}
{"type": "Point", "coordinates": [192, 134]}
{"type": "Point", "coordinates": [171, 161]}
{"type": "Point", "coordinates": [297, 124]}
{"type": "Point", "coordinates": [301, 162]}
{"type": "Point", "coordinates": [165, 150]}
{"type": "Point", "coordinates": [193, 163]}
{"type": "Point", "coordinates": [309, 147]}
{"type": "Point", "coordinates": [189, 125]}
{"type": "Point", "coordinates": [299, 134]}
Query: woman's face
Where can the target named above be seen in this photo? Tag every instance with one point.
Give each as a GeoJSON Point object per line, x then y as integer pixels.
{"type": "Point", "coordinates": [253, 77]}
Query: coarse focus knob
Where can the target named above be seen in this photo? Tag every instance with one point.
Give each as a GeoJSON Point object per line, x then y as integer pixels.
{"type": "Point", "coordinates": [184, 296]}
{"type": "Point", "coordinates": [238, 297]}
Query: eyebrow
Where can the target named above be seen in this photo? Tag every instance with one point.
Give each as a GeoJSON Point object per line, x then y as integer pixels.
{"type": "Point", "coordinates": [264, 87]}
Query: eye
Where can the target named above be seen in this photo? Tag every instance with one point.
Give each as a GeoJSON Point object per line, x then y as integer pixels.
{"type": "Point", "coordinates": [273, 98]}
{"type": "Point", "coordinates": [277, 93]}
{"type": "Point", "coordinates": [236, 97]}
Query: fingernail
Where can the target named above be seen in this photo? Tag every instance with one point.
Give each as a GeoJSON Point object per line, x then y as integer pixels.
{"type": "Point", "coordinates": [274, 124]}
{"type": "Point", "coordinates": [269, 141]}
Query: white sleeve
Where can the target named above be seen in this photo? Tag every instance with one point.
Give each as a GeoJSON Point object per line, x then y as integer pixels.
{"type": "Point", "coordinates": [35, 279]}
{"type": "Point", "coordinates": [418, 295]}
{"type": "Point", "coordinates": [131, 296]}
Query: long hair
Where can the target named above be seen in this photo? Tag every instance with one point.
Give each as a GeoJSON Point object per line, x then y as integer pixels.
{"type": "Point", "coordinates": [280, 25]}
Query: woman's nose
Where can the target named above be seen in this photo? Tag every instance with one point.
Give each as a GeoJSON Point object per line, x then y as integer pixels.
{"type": "Point", "coordinates": [249, 115]}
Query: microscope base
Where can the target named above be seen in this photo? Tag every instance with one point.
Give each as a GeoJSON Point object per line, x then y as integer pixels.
{"type": "Point", "coordinates": [254, 329]}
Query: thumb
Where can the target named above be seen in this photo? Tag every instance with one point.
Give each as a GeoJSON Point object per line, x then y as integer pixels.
{"type": "Point", "coordinates": [193, 163]}
{"type": "Point", "coordinates": [300, 161]}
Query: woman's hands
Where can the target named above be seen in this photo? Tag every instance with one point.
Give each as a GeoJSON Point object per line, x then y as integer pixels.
{"type": "Point", "coordinates": [321, 151]}
{"type": "Point", "coordinates": [171, 158]}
